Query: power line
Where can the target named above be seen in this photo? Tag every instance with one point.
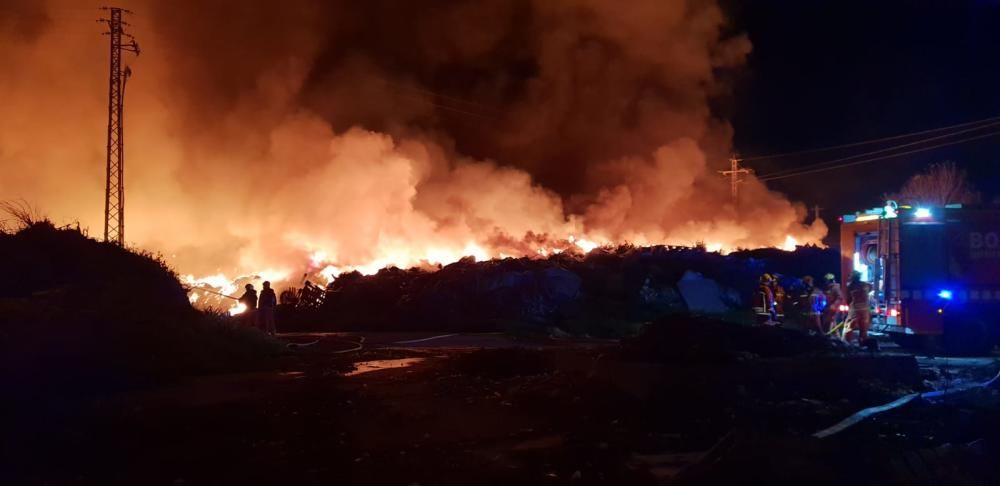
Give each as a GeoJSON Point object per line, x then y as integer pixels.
{"type": "Point", "coordinates": [871, 141]}
{"type": "Point", "coordinates": [883, 150]}
{"type": "Point", "coordinates": [423, 95]}
{"type": "Point", "coordinates": [875, 159]}
{"type": "Point", "coordinates": [427, 100]}
{"type": "Point", "coordinates": [448, 107]}
{"type": "Point", "coordinates": [491, 109]}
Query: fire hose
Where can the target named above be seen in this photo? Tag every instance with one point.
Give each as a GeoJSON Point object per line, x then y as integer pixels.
{"type": "Point", "coordinates": [868, 412]}
{"type": "Point", "coordinates": [357, 347]}
{"type": "Point", "coordinates": [220, 294]}
{"type": "Point", "coordinates": [836, 328]}
{"type": "Point", "coordinates": [414, 341]}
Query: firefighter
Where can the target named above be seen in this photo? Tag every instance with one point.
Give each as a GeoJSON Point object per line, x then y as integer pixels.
{"type": "Point", "coordinates": [265, 311]}
{"type": "Point", "coordinates": [779, 298]}
{"type": "Point", "coordinates": [833, 300]}
{"type": "Point", "coordinates": [812, 301]}
{"type": "Point", "coordinates": [763, 301]}
{"type": "Point", "coordinates": [249, 299]}
{"type": "Point", "coordinates": [796, 310]}
{"type": "Point", "coordinates": [858, 297]}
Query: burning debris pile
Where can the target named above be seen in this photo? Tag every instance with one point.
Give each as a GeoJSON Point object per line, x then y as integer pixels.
{"type": "Point", "coordinates": [605, 292]}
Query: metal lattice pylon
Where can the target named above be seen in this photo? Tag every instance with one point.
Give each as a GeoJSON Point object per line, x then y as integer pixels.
{"type": "Point", "coordinates": [734, 173]}
{"type": "Point", "coordinates": [114, 196]}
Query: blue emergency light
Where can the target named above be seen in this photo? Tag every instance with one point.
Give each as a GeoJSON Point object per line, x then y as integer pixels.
{"type": "Point", "coordinates": [945, 294]}
{"type": "Point", "coordinates": [922, 213]}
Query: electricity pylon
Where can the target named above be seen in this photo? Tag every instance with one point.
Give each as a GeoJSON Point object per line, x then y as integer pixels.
{"type": "Point", "coordinates": [734, 173]}
{"type": "Point", "coordinates": [114, 195]}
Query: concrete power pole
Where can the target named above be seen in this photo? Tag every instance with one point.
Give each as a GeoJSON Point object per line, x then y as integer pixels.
{"type": "Point", "coordinates": [735, 174]}
{"type": "Point", "coordinates": [114, 195]}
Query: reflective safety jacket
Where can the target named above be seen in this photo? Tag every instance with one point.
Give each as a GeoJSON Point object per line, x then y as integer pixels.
{"type": "Point", "coordinates": [763, 300]}
{"type": "Point", "coordinates": [779, 299]}
{"type": "Point", "coordinates": [857, 294]}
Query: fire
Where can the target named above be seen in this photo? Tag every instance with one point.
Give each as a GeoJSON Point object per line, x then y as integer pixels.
{"type": "Point", "coordinates": [219, 282]}
{"type": "Point", "coordinates": [317, 258]}
{"type": "Point", "coordinates": [216, 291]}
{"type": "Point", "coordinates": [584, 244]}
{"type": "Point", "coordinates": [211, 290]}
{"type": "Point", "coordinates": [790, 243]}
{"type": "Point", "coordinates": [238, 308]}
{"type": "Point", "coordinates": [432, 258]}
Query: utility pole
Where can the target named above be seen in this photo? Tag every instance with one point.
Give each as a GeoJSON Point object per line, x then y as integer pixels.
{"type": "Point", "coordinates": [114, 193]}
{"type": "Point", "coordinates": [735, 173]}
{"type": "Point", "coordinates": [816, 210]}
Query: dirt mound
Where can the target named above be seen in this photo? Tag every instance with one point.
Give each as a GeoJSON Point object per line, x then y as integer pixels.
{"type": "Point", "coordinates": [78, 315]}
{"type": "Point", "coordinates": [41, 259]}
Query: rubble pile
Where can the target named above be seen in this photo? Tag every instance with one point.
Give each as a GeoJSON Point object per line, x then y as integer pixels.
{"type": "Point", "coordinates": [606, 292]}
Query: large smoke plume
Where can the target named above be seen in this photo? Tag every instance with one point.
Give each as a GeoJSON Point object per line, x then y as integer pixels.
{"type": "Point", "coordinates": [384, 132]}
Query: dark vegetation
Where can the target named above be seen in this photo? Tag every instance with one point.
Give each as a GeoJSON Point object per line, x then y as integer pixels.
{"type": "Point", "coordinates": [606, 293]}
{"type": "Point", "coordinates": [78, 315]}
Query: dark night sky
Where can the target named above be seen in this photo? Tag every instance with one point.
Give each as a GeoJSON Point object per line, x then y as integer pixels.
{"type": "Point", "coordinates": [826, 73]}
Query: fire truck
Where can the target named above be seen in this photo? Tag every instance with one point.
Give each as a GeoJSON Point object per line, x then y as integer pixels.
{"type": "Point", "coordinates": [934, 271]}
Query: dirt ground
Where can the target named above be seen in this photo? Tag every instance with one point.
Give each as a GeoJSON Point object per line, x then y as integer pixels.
{"type": "Point", "coordinates": [487, 409]}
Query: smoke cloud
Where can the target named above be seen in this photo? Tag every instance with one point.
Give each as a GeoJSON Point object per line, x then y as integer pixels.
{"type": "Point", "coordinates": [278, 136]}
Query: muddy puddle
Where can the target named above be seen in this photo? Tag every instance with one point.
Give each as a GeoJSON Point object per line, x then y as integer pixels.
{"type": "Point", "coordinates": [383, 364]}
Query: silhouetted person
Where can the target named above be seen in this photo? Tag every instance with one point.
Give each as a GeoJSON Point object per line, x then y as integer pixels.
{"type": "Point", "coordinates": [249, 299]}
{"type": "Point", "coordinates": [265, 314]}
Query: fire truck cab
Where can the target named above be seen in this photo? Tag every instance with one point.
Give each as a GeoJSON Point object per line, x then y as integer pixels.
{"type": "Point", "coordinates": [934, 271]}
